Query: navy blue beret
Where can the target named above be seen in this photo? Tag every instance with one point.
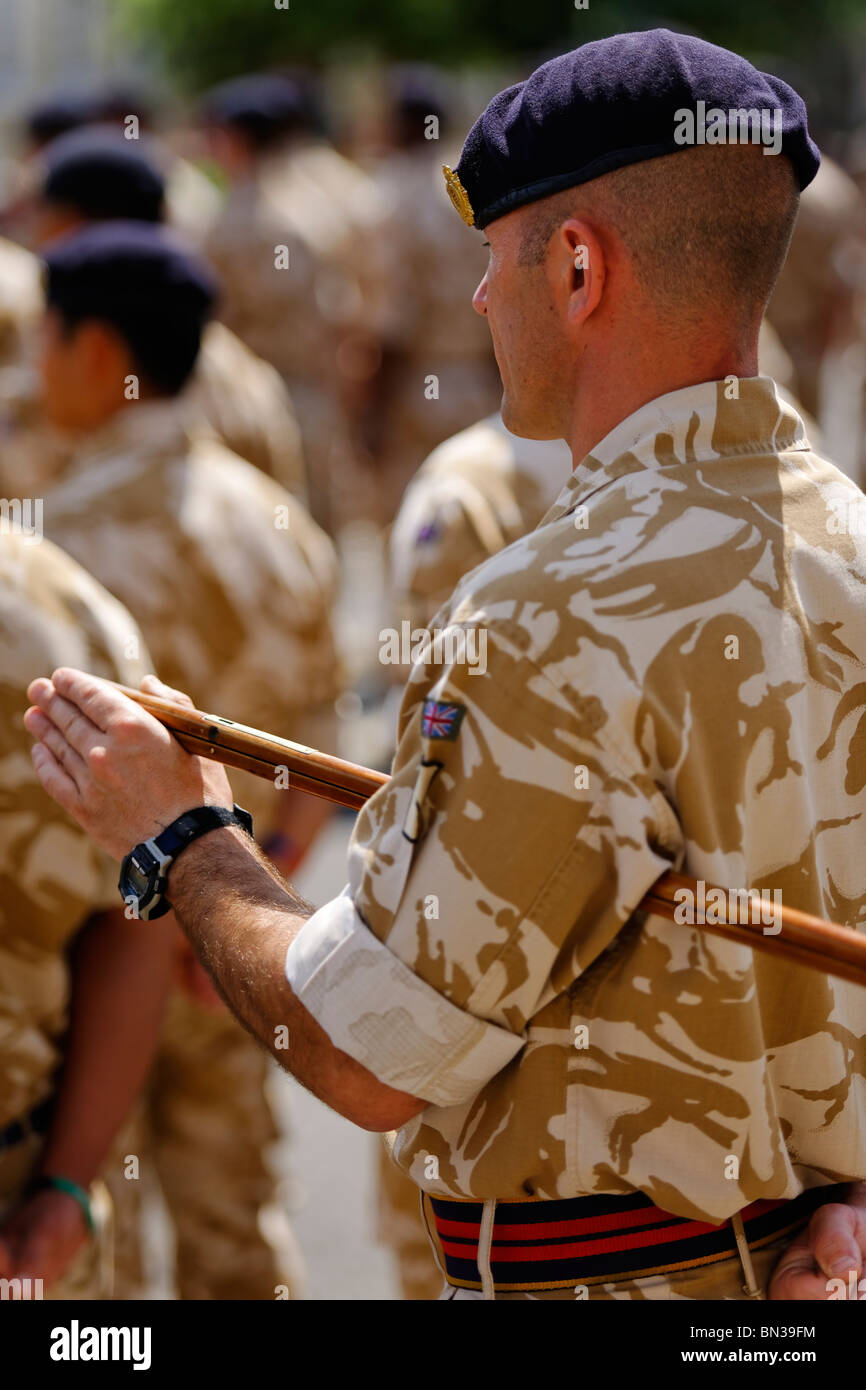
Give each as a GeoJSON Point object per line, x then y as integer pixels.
{"type": "Point", "coordinates": [102, 175]}
{"type": "Point", "coordinates": [610, 103]}
{"type": "Point", "coordinates": [264, 104]}
{"type": "Point", "coordinates": [115, 268]}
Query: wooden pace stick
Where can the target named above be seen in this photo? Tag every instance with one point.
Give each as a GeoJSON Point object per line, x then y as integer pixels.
{"type": "Point", "coordinates": [803, 939]}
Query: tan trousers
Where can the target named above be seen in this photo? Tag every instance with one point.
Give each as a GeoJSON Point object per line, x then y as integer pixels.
{"type": "Point", "coordinates": [202, 1132]}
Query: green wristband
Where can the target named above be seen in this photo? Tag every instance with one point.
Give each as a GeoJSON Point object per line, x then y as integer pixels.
{"type": "Point", "coordinates": [72, 1190]}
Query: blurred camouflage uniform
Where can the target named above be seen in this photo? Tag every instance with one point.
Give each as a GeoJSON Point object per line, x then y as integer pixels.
{"type": "Point", "coordinates": [426, 320]}
{"type": "Point", "coordinates": [284, 293]}
{"type": "Point", "coordinates": [670, 679]}
{"type": "Point", "coordinates": [20, 302]}
{"type": "Point", "coordinates": [232, 583]}
{"type": "Point", "coordinates": [247, 405]}
{"type": "Point", "coordinates": [474, 495]}
{"type": "Point", "coordinates": [52, 877]}
{"type": "Point", "coordinates": [818, 307]}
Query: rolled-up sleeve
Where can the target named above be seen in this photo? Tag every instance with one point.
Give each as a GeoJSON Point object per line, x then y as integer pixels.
{"type": "Point", "coordinates": [373, 1007]}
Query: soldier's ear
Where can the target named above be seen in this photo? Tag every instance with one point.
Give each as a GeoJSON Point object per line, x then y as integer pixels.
{"type": "Point", "coordinates": [582, 267]}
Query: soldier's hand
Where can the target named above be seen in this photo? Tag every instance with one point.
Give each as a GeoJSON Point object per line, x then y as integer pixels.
{"type": "Point", "coordinates": [825, 1261]}
{"type": "Point", "coordinates": [110, 764]}
{"type": "Point", "coordinates": [42, 1237]}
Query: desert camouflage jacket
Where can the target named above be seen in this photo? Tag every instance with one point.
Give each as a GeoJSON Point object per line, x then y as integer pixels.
{"type": "Point", "coordinates": [230, 579]}
{"type": "Point", "coordinates": [475, 494]}
{"type": "Point", "coordinates": [669, 671]}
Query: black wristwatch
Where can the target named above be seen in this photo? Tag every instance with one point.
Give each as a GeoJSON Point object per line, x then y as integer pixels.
{"type": "Point", "coordinates": [144, 871]}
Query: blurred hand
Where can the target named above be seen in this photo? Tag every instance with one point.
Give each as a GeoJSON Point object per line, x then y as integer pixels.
{"type": "Point", "coordinates": [42, 1237]}
{"type": "Point", "coordinates": [831, 1246]}
{"type": "Point", "coordinates": [110, 764]}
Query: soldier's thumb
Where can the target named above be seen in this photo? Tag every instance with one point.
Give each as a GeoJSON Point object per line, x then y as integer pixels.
{"type": "Point", "coordinates": [834, 1242]}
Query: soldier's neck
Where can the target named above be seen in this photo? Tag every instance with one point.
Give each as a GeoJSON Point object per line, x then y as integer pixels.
{"type": "Point", "coordinates": [615, 391]}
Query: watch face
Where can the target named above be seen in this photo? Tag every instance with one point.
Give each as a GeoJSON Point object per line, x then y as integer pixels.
{"type": "Point", "coordinates": [137, 878]}
{"type": "Point", "coordinates": [138, 875]}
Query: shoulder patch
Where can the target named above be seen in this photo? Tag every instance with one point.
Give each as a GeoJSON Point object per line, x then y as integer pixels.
{"type": "Point", "coordinates": [441, 720]}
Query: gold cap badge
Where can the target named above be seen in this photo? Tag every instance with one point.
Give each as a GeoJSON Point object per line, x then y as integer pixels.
{"type": "Point", "coordinates": [458, 195]}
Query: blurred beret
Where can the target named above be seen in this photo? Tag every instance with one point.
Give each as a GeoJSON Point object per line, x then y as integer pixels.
{"type": "Point", "coordinates": [416, 89]}
{"type": "Point", "coordinates": [113, 269]}
{"type": "Point", "coordinates": [102, 175]}
{"type": "Point", "coordinates": [58, 113]}
{"type": "Point", "coordinates": [608, 104]}
{"type": "Point", "coordinates": [265, 105]}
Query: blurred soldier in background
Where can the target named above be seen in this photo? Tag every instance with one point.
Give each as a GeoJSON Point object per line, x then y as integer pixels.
{"type": "Point", "coordinates": [818, 309]}
{"type": "Point", "coordinates": [288, 289]}
{"type": "Point", "coordinates": [90, 1002]}
{"type": "Point", "coordinates": [232, 583]}
{"type": "Point", "coordinates": [438, 374]}
{"type": "Point", "coordinates": [94, 175]}
{"type": "Point", "coordinates": [192, 199]}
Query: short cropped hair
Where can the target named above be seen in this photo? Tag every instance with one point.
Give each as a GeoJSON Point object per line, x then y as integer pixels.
{"type": "Point", "coordinates": [705, 228]}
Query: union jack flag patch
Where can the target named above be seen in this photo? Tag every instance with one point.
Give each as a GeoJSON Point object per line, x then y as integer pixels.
{"type": "Point", "coordinates": [440, 720]}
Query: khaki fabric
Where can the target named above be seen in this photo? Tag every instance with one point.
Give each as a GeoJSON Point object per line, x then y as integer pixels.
{"type": "Point", "coordinates": [284, 292]}
{"type": "Point", "coordinates": [817, 303]}
{"type": "Point", "coordinates": [231, 580]}
{"type": "Point", "coordinates": [443, 376]}
{"type": "Point", "coordinates": [475, 494]}
{"type": "Point", "coordinates": [233, 583]}
{"type": "Point", "coordinates": [203, 1132]}
{"type": "Point", "coordinates": [247, 405]}
{"type": "Point", "coordinates": [20, 301]}
{"type": "Point", "coordinates": [52, 878]}
{"type": "Point", "coordinates": [673, 677]}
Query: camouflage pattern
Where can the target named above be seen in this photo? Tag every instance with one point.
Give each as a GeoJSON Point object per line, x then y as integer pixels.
{"type": "Point", "coordinates": [247, 405]}
{"type": "Point", "coordinates": [290, 314]}
{"type": "Point", "coordinates": [433, 266]}
{"type": "Point", "coordinates": [335, 194]}
{"type": "Point", "coordinates": [232, 583]}
{"type": "Point", "coordinates": [673, 678]}
{"type": "Point", "coordinates": [228, 576]}
{"type": "Point", "coordinates": [203, 1132]}
{"type": "Point", "coordinates": [52, 877]}
{"type": "Point", "coordinates": [474, 495]}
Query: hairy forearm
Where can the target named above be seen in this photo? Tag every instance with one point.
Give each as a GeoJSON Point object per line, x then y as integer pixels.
{"type": "Point", "coordinates": [241, 917]}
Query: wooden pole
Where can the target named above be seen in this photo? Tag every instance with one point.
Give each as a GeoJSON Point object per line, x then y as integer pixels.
{"type": "Point", "coordinates": [803, 939]}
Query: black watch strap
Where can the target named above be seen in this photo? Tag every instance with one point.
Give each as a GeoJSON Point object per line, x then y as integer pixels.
{"type": "Point", "coordinates": [199, 821]}
{"type": "Point", "coordinates": [152, 859]}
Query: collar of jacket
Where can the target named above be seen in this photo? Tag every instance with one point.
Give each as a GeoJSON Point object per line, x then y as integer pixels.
{"type": "Point", "coordinates": [149, 426]}
{"type": "Point", "coordinates": [688, 427]}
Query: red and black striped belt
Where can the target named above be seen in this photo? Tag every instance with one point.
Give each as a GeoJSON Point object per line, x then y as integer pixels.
{"type": "Point", "coordinates": [540, 1244]}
